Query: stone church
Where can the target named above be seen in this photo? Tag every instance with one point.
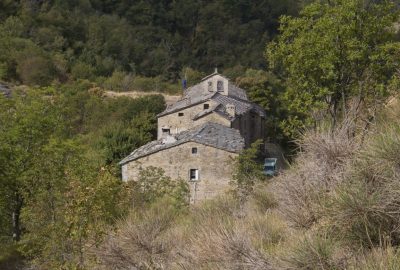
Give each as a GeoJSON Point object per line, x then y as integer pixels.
{"type": "Point", "coordinates": [199, 136]}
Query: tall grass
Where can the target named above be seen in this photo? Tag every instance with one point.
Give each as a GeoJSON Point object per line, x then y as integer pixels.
{"type": "Point", "coordinates": [318, 169]}
{"type": "Point", "coordinates": [337, 207]}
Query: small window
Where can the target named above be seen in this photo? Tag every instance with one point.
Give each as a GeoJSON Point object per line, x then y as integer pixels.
{"type": "Point", "coordinates": [166, 131]}
{"type": "Point", "coordinates": [220, 86]}
{"type": "Point", "coordinates": [194, 175]}
{"type": "Point", "coordinates": [210, 86]}
{"type": "Point", "coordinates": [206, 106]}
{"type": "Point", "coordinates": [194, 150]}
{"type": "Point", "coordinates": [180, 114]}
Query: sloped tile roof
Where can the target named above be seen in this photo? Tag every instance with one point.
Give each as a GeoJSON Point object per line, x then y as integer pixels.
{"type": "Point", "coordinates": [211, 134]}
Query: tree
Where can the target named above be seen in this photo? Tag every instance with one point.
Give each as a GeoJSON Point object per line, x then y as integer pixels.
{"type": "Point", "coordinates": [152, 185]}
{"type": "Point", "coordinates": [335, 52]}
{"type": "Point", "coordinates": [247, 171]}
{"type": "Point", "coordinates": [266, 90]}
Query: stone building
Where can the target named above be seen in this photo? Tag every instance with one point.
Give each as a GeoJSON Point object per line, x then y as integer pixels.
{"type": "Point", "coordinates": [199, 136]}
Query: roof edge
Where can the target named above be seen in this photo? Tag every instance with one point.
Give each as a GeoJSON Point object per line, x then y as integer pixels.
{"type": "Point", "coordinates": [123, 162]}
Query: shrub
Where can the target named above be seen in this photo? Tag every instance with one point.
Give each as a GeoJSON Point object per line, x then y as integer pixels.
{"type": "Point", "coordinates": [119, 81]}
{"type": "Point", "coordinates": [377, 259]}
{"type": "Point", "coordinates": [142, 240]}
{"type": "Point", "coordinates": [365, 209]}
{"type": "Point", "coordinates": [318, 170]}
{"type": "Point", "coordinates": [263, 199]}
{"type": "Point", "coordinates": [247, 172]}
{"type": "Point", "coordinates": [35, 70]}
{"type": "Point", "coordinates": [152, 184]}
{"type": "Point", "coordinates": [316, 252]}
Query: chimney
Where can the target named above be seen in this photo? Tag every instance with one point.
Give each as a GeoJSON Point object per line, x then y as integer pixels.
{"type": "Point", "coordinates": [231, 109]}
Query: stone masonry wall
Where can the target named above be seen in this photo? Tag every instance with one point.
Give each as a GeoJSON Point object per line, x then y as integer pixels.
{"type": "Point", "coordinates": [178, 123]}
{"type": "Point", "coordinates": [214, 165]}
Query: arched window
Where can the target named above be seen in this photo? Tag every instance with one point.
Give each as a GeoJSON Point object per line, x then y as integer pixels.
{"type": "Point", "coordinates": [210, 86]}
{"type": "Point", "coordinates": [220, 86]}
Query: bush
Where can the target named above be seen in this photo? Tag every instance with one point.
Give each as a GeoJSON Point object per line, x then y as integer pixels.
{"type": "Point", "coordinates": [365, 209]}
{"type": "Point", "coordinates": [35, 70]}
{"type": "Point", "coordinates": [142, 240]}
{"type": "Point", "coordinates": [316, 252]}
{"type": "Point", "coordinates": [152, 184]}
{"type": "Point", "coordinates": [220, 239]}
{"type": "Point", "coordinates": [318, 170]}
{"type": "Point", "coordinates": [377, 259]}
{"type": "Point", "coordinates": [119, 81]}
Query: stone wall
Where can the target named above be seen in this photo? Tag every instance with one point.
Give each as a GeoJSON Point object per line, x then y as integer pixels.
{"type": "Point", "coordinates": [183, 119]}
{"type": "Point", "coordinates": [251, 127]}
{"type": "Point", "coordinates": [214, 166]}
{"type": "Point", "coordinates": [211, 84]}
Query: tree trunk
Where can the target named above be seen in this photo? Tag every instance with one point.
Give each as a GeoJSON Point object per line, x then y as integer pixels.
{"type": "Point", "coordinates": [16, 213]}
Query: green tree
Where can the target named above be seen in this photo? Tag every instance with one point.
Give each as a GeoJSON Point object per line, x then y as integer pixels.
{"type": "Point", "coordinates": [247, 171]}
{"type": "Point", "coordinates": [152, 185]}
{"type": "Point", "coordinates": [335, 52]}
{"type": "Point", "coordinates": [266, 90]}
{"type": "Point", "coordinates": [120, 139]}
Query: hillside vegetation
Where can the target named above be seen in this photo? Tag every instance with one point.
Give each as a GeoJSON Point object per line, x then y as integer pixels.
{"type": "Point", "coordinates": [325, 82]}
{"type": "Point", "coordinates": [144, 43]}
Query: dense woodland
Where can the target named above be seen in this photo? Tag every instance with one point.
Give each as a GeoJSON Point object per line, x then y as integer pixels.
{"type": "Point", "coordinates": [326, 72]}
{"type": "Point", "coordinates": [43, 41]}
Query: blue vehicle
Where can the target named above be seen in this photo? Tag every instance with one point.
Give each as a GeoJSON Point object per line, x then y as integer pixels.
{"type": "Point", "coordinates": [270, 166]}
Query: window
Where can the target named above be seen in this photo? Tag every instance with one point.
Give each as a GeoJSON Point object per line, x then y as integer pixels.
{"type": "Point", "coordinates": [206, 106]}
{"type": "Point", "coordinates": [210, 88]}
{"type": "Point", "coordinates": [180, 114]}
{"type": "Point", "coordinates": [194, 150]}
{"type": "Point", "coordinates": [194, 175]}
{"type": "Point", "coordinates": [166, 131]}
{"type": "Point", "coordinates": [220, 86]}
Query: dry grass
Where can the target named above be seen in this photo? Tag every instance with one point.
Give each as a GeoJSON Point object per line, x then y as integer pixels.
{"type": "Point", "coordinates": [143, 241]}
{"type": "Point", "coordinates": [387, 258]}
{"type": "Point", "coordinates": [318, 169]}
{"type": "Point", "coordinates": [220, 239]}
{"type": "Point", "coordinates": [338, 207]}
{"type": "Point", "coordinates": [366, 208]}
{"type": "Point", "coordinates": [314, 251]}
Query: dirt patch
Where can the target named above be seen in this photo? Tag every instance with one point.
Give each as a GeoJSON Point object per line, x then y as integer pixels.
{"type": "Point", "coordinates": [169, 99]}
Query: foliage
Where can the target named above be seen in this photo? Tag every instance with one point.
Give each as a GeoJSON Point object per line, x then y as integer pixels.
{"type": "Point", "coordinates": [57, 192]}
{"type": "Point", "coordinates": [143, 239]}
{"type": "Point", "coordinates": [106, 39]}
{"type": "Point", "coordinates": [152, 184]}
{"type": "Point", "coordinates": [335, 52]}
{"type": "Point", "coordinates": [316, 252]}
{"type": "Point", "coordinates": [119, 139]}
{"type": "Point", "coordinates": [317, 170]}
{"type": "Point", "coordinates": [265, 89]}
{"type": "Point", "coordinates": [247, 170]}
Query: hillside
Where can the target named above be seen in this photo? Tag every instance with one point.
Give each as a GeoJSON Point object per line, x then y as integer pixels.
{"type": "Point", "coordinates": [43, 41]}
{"type": "Point", "coordinates": [318, 80]}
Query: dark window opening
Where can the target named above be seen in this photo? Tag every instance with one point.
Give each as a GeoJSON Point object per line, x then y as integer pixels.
{"type": "Point", "coordinates": [206, 106]}
{"type": "Point", "coordinates": [194, 174]}
{"type": "Point", "coordinates": [194, 150]}
{"type": "Point", "coordinates": [180, 114]}
{"type": "Point", "coordinates": [166, 131]}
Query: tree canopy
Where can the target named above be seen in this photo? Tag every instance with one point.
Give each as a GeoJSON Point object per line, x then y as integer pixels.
{"type": "Point", "coordinates": [42, 41]}
{"type": "Point", "coordinates": [333, 53]}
